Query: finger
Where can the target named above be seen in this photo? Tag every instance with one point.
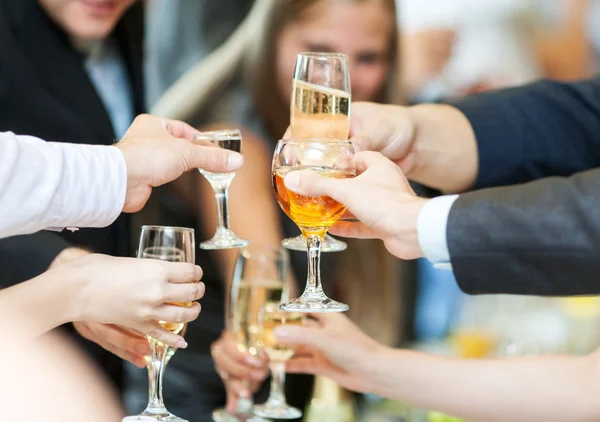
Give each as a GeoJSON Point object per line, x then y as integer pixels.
{"type": "Point", "coordinates": [228, 345]}
{"type": "Point", "coordinates": [309, 183]}
{"type": "Point", "coordinates": [176, 314]}
{"type": "Point", "coordinates": [185, 292]}
{"type": "Point", "coordinates": [365, 159]}
{"type": "Point", "coordinates": [157, 332]}
{"type": "Point", "coordinates": [302, 365]}
{"type": "Point", "coordinates": [210, 158]}
{"type": "Point", "coordinates": [361, 142]}
{"type": "Point", "coordinates": [288, 134]}
{"type": "Point", "coordinates": [353, 230]}
{"type": "Point", "coordinates": [182, 272]}
{"type": "Point", "coordinates": [238, 388]}
{"type": "Point", "coordinates": [136, 358]}
{"type": "Point", "coordinates": [228, 365]}
{"type": "Point", "coordinates": [129, 331]}
{"type": "Point", "coordinates": [116, 336]}
{"type": "Point", "coordinates": [180, 129]}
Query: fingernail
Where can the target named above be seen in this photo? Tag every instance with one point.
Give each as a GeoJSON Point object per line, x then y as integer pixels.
{"type": "Point", "coordinates": [234, 161]}
{"type": "Point", "coordinates": [292, 180]}
{"type": "Point", "coordinates": [142, 349]}
{"type": "Point", "coordinates": [252, 360]}
{"type": "Point", "coordinates": [181, 344]}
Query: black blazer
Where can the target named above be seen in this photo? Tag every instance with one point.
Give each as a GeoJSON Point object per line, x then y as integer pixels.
{"type": "Point", "coordinates": [45, 92]}
{"type": "Point", "coordinates": [543, 237]}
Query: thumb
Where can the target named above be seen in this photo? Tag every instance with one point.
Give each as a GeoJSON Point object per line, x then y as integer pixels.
{"type": "Point", "coordinates": [309, 183]}
{"type": "Point", "coordinates": [309, 336]}
{"type": "Point", "coordinates": [212, 159]}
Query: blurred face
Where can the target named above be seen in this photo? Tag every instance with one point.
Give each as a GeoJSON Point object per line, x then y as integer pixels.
{"type": "Point", "coordinates": [86, 19]}
{"type": "Point", "coordinates": [361, 30]}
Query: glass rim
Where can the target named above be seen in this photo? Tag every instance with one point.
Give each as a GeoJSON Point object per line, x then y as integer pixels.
{"type": "Point", "coordinates": [315, 141]}
{"type": "Point", "coordinates": [321, 55]}
{"type": "Point", "coordinates": [166, 228]}
{"type": "Point", "coordinates": [219, 134]}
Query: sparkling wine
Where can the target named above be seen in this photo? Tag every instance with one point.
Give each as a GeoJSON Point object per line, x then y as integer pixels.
{"type": "Point", "coordinates": [252, 297]}
{"type": "Point", "coordinates": [319, 112]}
{"type": "Point", "coordinates": [273, 317]}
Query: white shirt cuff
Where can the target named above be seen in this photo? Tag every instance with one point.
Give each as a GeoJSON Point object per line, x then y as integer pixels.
{"type": "Point", "coordinates": [431, 230]}
{"type": "Point", "coordinates": [94, 185]}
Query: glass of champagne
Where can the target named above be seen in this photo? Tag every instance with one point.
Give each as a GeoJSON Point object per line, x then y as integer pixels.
{"type": "Point", "coordinates": [271, 317]}
{"type": "Point", "coordinates": [173, 244]}
{"type": "Point", "coordinates": [261, 275]}
{"type": "Point", "coordinates": [224, 238]}
{"type": "Point", "coordinates": [320, 108]}
{"type": "Point", "coordinates": [313, 215]}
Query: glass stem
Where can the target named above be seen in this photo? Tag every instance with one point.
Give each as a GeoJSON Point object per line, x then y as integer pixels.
{"type": "Point", "coordinates": [222, 211]}
{"type": "Point", "coordinates": [277, 394]}
{"type": "Point", "coordinates": [158, 352]}
{"type": "Point", "coordinates": [313, 282]}
{"type": "Point", "coordinates": [244, 406]}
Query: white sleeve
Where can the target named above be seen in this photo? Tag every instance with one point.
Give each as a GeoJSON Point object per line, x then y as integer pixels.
{"type": "Point", "coordinates": [56, 185]}
{"type": "Point", "coordinates": [431, 230]}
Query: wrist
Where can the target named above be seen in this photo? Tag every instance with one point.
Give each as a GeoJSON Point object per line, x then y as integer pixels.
{"type": "Point", "coordinates": [405, 230]}
{"type": "Point", "coordinates": [444, 149]}
{"type": "Point", "coordinates": [375, 369]}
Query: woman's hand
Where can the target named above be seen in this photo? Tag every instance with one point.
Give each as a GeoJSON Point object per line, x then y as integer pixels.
{"type": "Point", "coordinates": [334, 347]}
{"type": "Point", "coordinates": [241, 372]}
{"type": "Point", "coordinates": [135, 293]}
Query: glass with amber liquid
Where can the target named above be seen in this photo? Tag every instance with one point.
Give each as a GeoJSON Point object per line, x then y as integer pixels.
{"type": "Point", "coordinates": [172, 244]}
{"type": "Point", "coordinates": [313, 215]}
{"type": "Point", "coordinates": [320, 108]}
{"type": "Point", "coordinates": [271, 317]}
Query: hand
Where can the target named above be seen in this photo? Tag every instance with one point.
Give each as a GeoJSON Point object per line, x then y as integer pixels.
{"type": "Point", "coordinates": [68, 255]}
{"type": "Point", "coordinates": [433, 144]}
{"type": "Point", "coordinates": [424, 56]}
{"type": "Point", "coordinates": [134, 293]}
{"type": "Point", "coordinates": [125, 343]}
{"type": "Point", "coordinates": [380, 197]}
{"type": "Point", "coordinates": [158, 151]}
{"type": "Point", "coordinates": [241, 372]}
{"type": "Point", "coordinates": [333, 347]}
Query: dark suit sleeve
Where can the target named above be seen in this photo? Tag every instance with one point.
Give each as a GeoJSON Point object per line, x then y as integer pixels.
{"type": "Point", "coordinates": [540, 238]}
{"type": "Point", "coordinates": [544, 129]}
{"type": "Point", "coordinates": [25, 257]}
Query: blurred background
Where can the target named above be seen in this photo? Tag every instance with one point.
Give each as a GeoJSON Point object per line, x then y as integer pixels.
{"type": "Point", "coordinates": [229, 63]}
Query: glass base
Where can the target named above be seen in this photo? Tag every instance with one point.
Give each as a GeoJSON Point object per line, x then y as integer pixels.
{"type": "Point", "coordinates": [277, 412]}
{"type": "Point", "coordinates": [329, 244]}
{"type": "Point", "coordinates": [222, 415]}
{"type": "Point", "coordinates": [224, 239]}
{"type": "Point", "coordinates": [147, 417]}
{"type": "Point", "coordinates": [314, 303]}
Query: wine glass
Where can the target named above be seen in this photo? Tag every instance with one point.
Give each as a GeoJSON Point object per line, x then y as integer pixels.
{"type": "Point", "coordinates": [224, 238]}
{"type": "Point", "coordinates": [313, 215]}
{"type": "Point", "coordinates": [271, 317]}
{"type": "Point", "coordinates": [261, 276]}
{"type": "Point", "coordinates": [320, 109]}
{"type": "Point", "coordinates": [173, 244]}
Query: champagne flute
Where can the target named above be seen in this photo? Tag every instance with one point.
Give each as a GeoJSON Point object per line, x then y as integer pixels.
{"type": "Point", "coordinates": [320, 109]}
{"type": "Point", "coordinates": [271, 317]}
{"type": "Point", "coordinates": [313, 215]}
{"type": "Point", "coordinates": [224, 238]}
{"type": "Point", "coordinates": [173, 244]}
{"type": "Point", "coordinates": [261, 275]}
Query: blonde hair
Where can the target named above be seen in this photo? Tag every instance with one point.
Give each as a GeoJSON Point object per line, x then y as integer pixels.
{"type": "Point", "coordinates": [367, 276]}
